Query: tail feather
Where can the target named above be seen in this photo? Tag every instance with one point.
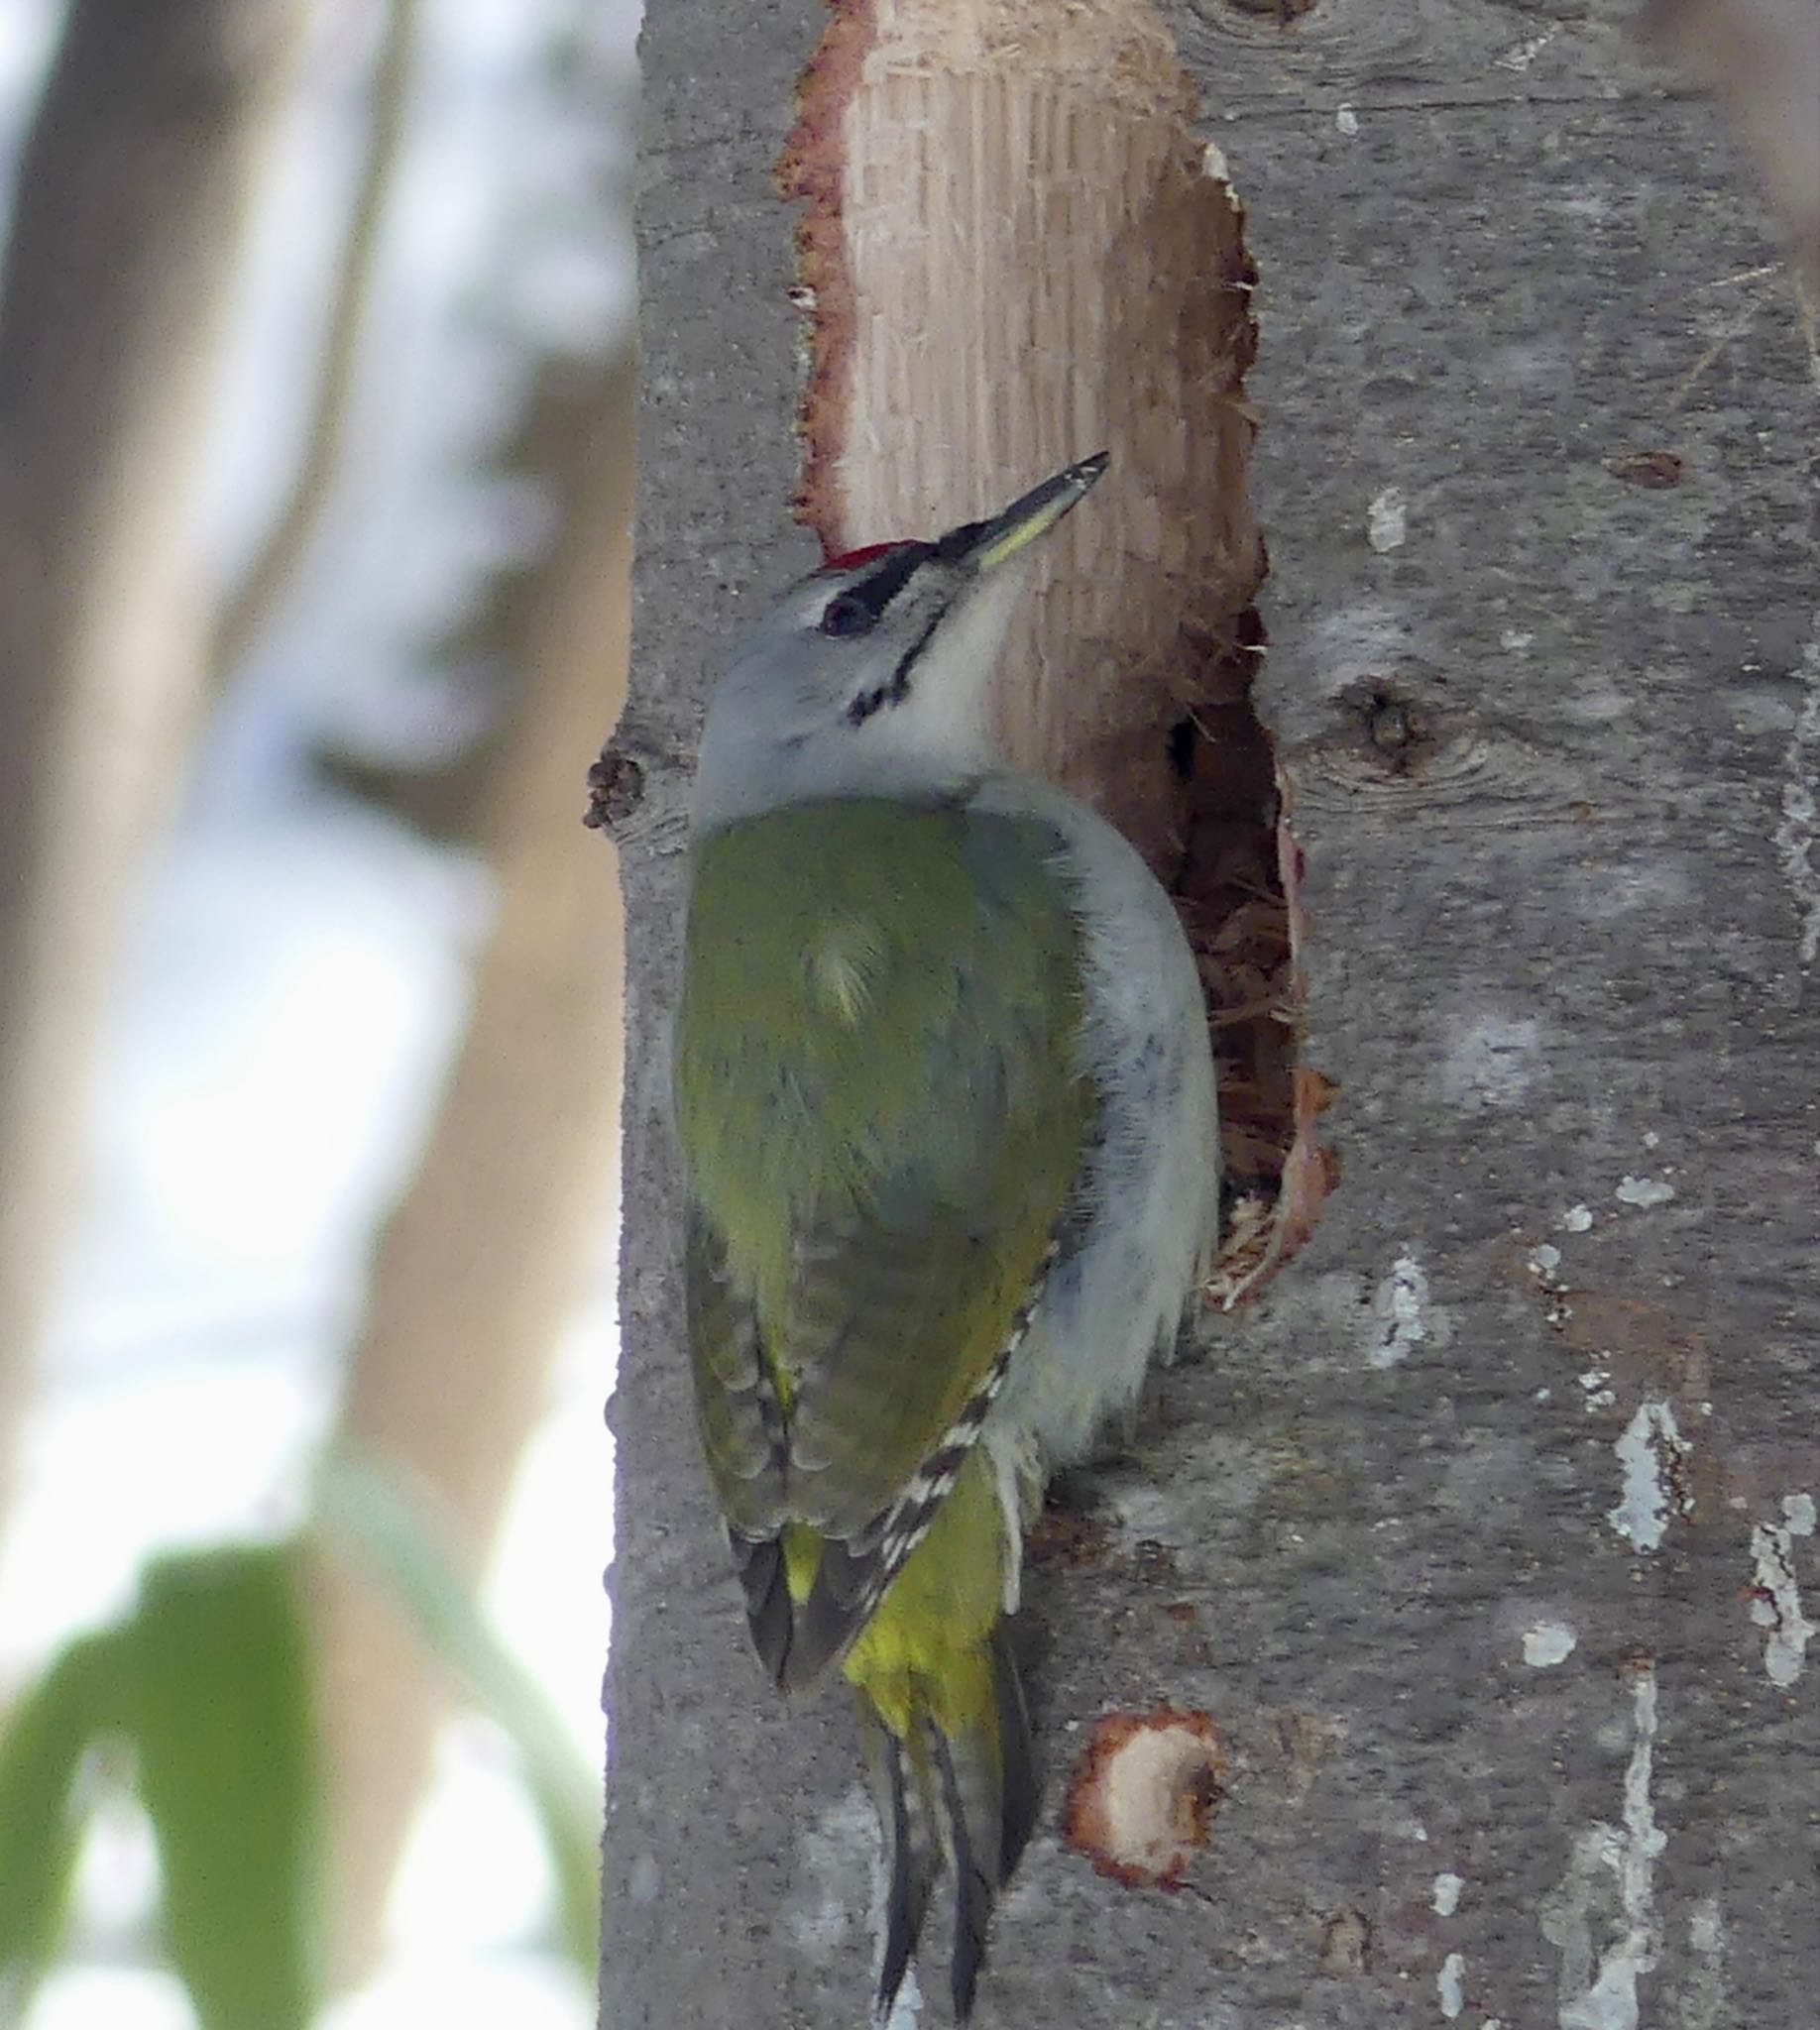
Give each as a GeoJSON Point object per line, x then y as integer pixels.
{"type": "Point", "coordinates": [965, 1795]}
{"type": "Point", "coordinates": [1020, 1790]}
{"type": "Point", "coordinates": [900, 1789]}
{"type": "Point", "coordinates": [759, 1562]}
{"type": "Point", "coordinates": [975, 1874]}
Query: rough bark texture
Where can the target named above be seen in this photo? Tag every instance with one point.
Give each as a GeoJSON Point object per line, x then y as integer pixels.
{"type": "Point", "coordinates": [1483, 1536]}
{"type": "Point", "coordinates": [132, 193]}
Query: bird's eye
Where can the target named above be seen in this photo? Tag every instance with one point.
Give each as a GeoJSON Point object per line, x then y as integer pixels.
{"type": "Point", "coordinates": [847, 614]}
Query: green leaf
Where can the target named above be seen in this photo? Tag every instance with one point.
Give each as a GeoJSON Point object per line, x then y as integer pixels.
{"type": "Point", "coordinates": [222, 1718]}
{"type": "Point", "coordinates": [42, 1749]}
{"type": "Point", "coordinates": [391, 1536]}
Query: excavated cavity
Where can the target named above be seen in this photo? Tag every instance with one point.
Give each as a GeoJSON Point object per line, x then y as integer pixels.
{"type": "Point", "coordinates": [1237, 888]}
{"type": "Point", "coordinates": [1013, 252]}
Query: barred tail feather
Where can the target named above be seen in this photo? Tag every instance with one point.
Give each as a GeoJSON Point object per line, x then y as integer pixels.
{"type": "Point", "coordinates": [907, 1822]}
{"type": "Point", "coordinates": [966, 1797]}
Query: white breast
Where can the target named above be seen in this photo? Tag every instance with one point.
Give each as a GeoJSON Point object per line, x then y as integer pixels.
{"type": "Point", "coordinates": [1154, 1183]}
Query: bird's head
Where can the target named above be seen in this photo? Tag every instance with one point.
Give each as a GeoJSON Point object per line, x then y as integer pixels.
{"type": "Point", "coordinates": [869, 676]}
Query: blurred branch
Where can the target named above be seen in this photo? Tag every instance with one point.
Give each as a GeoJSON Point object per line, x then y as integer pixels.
{"type": "Point", "coordinates": [391, 1535]}
{"type": "Point", "coordinates": [483, 1258]}
{"type": "Point", "coordinates": [132, 197]}
{"type": "Point", "coordinates": [249, 608]}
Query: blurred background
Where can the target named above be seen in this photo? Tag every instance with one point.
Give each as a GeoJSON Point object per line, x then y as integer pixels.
{"type": "Point", "coordinates": [315, 481]}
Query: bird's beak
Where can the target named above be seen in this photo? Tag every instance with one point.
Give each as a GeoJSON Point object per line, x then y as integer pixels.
{"type": "Point", "coordinates": [988, 544]}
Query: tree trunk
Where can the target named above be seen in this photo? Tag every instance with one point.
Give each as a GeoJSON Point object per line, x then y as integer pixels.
{"type": "Point", "coordinates": [1482, 1536]}
{"type": "Point", "coordinates": [479, 1264]}
{"type": "Point", "coordinates": [133, 191]}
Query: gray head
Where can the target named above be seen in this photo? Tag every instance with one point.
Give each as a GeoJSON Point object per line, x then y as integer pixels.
{"type": "Point", "coordinates": [870, 677]}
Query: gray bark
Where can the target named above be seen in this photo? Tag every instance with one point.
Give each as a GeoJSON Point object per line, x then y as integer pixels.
{"type": "Point", "coordinates": [1562, 958]}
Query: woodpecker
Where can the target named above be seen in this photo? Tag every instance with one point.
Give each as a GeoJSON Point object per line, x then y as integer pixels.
{"type": "Point", "coordinates": [946, 1110]}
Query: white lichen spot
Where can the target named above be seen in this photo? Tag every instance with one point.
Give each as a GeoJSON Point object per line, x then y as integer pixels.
{"type": "Point", "coordinates": [1593, 1384]}
{"type": "Point", "coordinates": [1652, 1140]}
{"type": "Point", "coordinates": [1544, 1260]}
{"type": "Point", "coordinates": [1705, 1928]}
{"type": "Point", "coordinates": [907, 2010]}
{"type": "Point", "coordinates": [1800, 829]}
{"type": "Point", "coordinates": [1546, 1643]}
{"type": "Point", "coordinates": [1775, 1597]}
{"type": "Point", "coordinates": [1610, 1875]}
{"type": "Point", "coordinates": [1643, 1191]}
{"type": "Point", "coordinates": [1347, 121]}
{"type": "Point", "coordinates": [838, 1854]}
{"type": "Point", "coordinates": [1448, 1985]}
{"type": "Point", "coordinates": [1493, 1062]}
{"type": "Point", "coordinates": [1522, 55]}
{"type": "Point", "coordinates": [1576, 1219]}
{"type": "Point", "coordinates": [1652, 1453]}
{"type": "Point", "coordinates": [645, 1882]}
{"type": "Point", "coordinates": [1387, 520]}
{"type": "Point", "coordinates": [1399, 1312]}
{"type": "Point", "coordinates": [1515, 638]}
{"type": "Point", "coordinates": [1704, 2000]}
{"type": "Point", "coordinates": [1448, 1889]}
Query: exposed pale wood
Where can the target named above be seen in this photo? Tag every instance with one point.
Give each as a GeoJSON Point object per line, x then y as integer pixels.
{"type": "Point", "coordinates": [1015, 251]}
{"type": "Point", "coordinates": [482, 1260]}
{"type": "Point", "coordinates": [1015, 254]}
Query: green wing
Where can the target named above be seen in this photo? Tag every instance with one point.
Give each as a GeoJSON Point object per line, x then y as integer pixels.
{"type": "Point", "coordinates": [883, 1124]}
